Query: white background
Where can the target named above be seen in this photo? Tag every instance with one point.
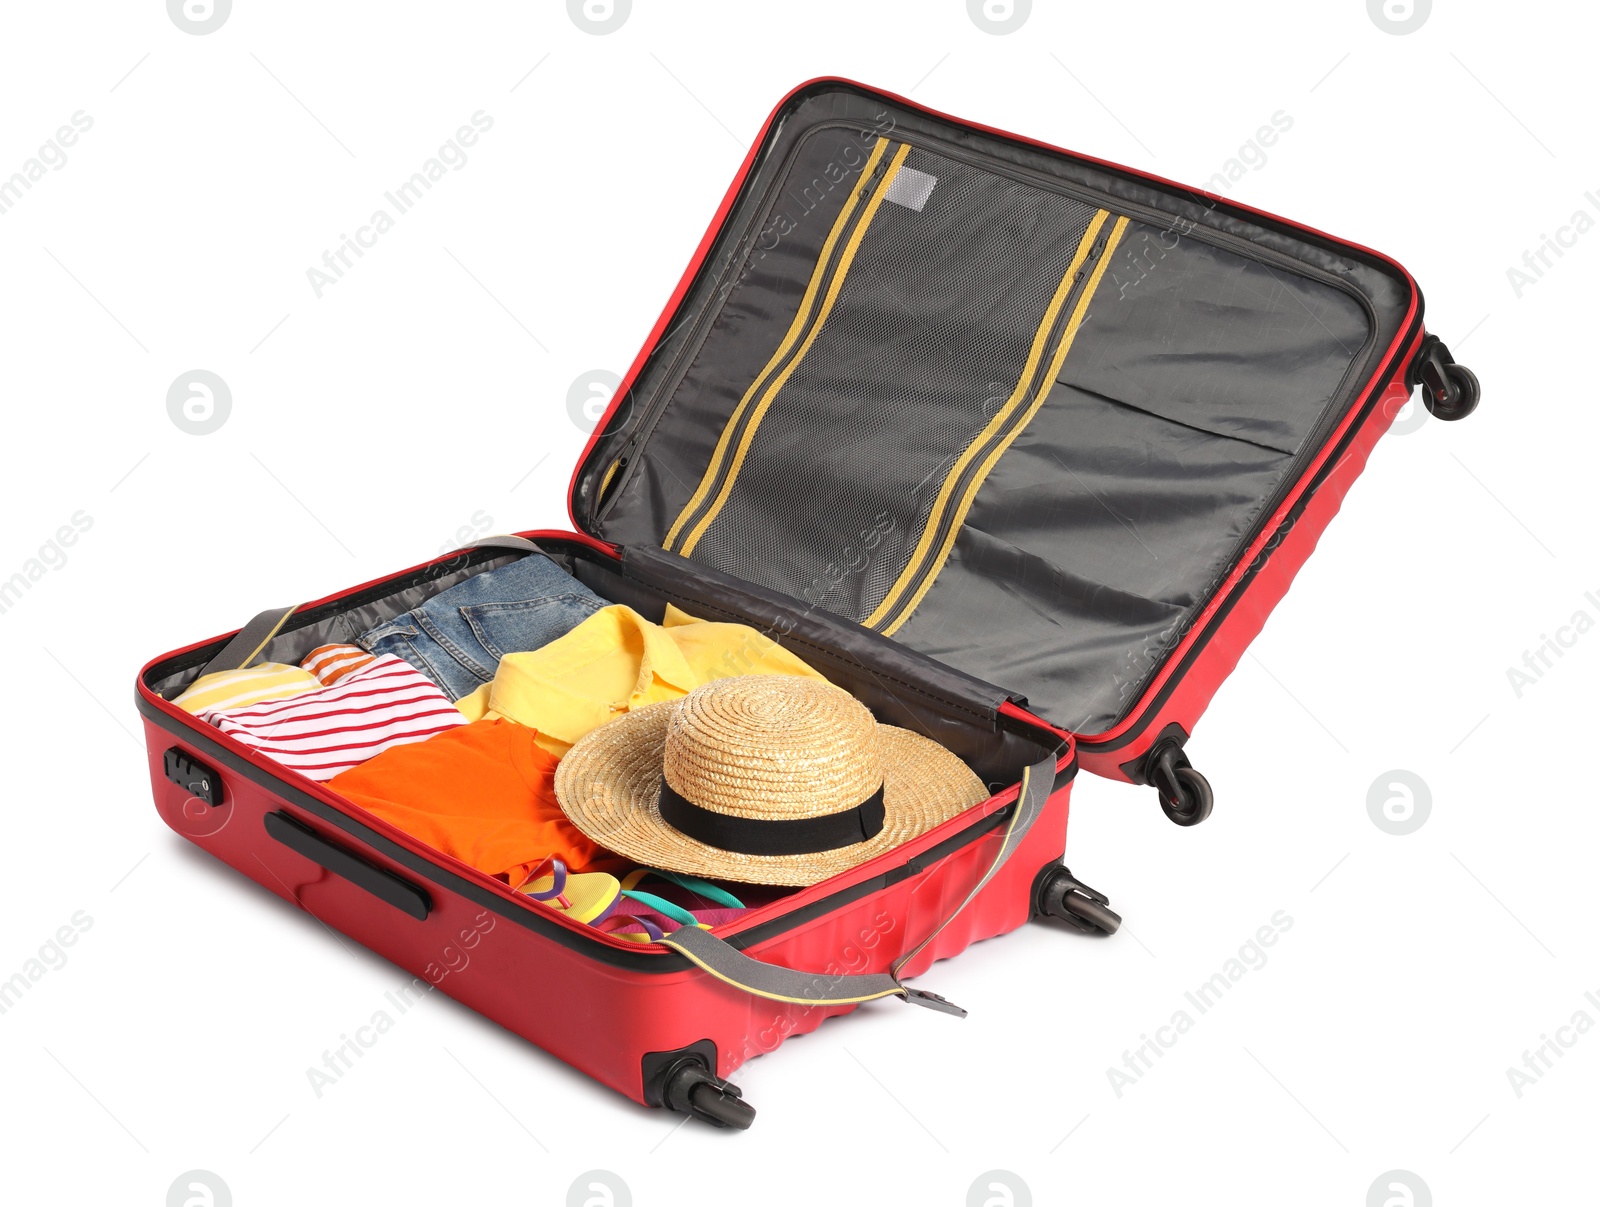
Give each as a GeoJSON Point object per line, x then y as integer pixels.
{"type": "Point", "coordinates": [427, 392]}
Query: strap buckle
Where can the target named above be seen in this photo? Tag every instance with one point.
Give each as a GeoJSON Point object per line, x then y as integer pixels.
{"type": "Point", "coordinates": [921, 997]}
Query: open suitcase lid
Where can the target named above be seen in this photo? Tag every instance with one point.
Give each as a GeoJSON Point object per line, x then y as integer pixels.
{"type": "Point", "coordinates": [1023, 411]}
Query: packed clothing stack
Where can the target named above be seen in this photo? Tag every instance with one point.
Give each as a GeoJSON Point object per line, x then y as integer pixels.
{"type": "Point", "coordinates": [569, 747]}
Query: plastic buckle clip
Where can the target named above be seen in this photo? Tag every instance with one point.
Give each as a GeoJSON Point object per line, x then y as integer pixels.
{"type": "Point", "coordinates": [921, 997]}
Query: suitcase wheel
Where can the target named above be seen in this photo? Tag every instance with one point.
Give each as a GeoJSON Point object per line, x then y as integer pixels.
{"type": "Point", "coordinates": [1061, 895]}
{"type": "Point", "coordinates": [1449, 391]}
{"type": "Point", "coordinates": [1461, 394]}
{"type": "Point", "coordinates": [1192, 803]}
{"type": "Point", "coordinates": [1184, 793]}
{"type": "Point", "coordinates": [692, 1089]}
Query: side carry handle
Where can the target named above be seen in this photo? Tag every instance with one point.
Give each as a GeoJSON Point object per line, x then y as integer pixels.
{"type": "Point", "coordinates": [727, 963]}
{"type": "Point", "coordinates": [406, 897]}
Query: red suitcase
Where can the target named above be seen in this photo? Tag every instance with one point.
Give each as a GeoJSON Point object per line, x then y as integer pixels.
{"type": "Point", "coordinates": [1018, 446]}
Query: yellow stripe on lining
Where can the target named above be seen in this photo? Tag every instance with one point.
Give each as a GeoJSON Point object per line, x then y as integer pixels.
{"type": "Point", "coordinates": [1067, 336]}
{"type": "Point", "coordinates": [1001, 417]}
{"type": "Point", "coordinates": [782, 379]}
{"type": "Point", "coordinates": [802, 315]}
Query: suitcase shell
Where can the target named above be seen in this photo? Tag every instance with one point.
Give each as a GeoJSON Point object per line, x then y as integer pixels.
{"type": "Point", "coordinates": [648, 1011]}
{"type": "Point", "coordinates": [645, 1009]}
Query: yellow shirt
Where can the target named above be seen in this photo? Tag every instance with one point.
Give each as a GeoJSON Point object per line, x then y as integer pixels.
{"type": "Point", "coordinates": [241, 688]}
{"type": "Point", "coordinates": [616, 661]}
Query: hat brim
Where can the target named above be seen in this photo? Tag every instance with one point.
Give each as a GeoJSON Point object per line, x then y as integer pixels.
{"type": "Point", "coordinates": [609, 786]}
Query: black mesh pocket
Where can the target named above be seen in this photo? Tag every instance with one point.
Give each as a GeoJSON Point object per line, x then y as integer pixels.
{"type": "Point", "coordinates": [841, 475]}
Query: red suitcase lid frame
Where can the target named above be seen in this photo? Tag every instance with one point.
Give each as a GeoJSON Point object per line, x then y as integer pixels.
{"type": "Point", "coordinates": [1393, 339]}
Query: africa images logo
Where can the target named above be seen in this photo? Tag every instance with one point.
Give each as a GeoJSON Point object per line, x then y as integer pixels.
{"type": "Point", "coordinates": [999, 16]}
{"type": "Point", "coordinates": [1399, 16]}
{"type": "Point", "coordinates": [599, 1188]}
{"type": "Point", "coordinates": [199, 16]}
{"type": "Point", "coordinates": [199, 1188]}
{"type": "Point", "coordinates": [451, 156]}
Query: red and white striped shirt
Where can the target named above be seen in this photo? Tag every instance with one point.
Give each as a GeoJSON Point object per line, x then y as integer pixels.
{"type": "Point", "coordinates": [334, 728]}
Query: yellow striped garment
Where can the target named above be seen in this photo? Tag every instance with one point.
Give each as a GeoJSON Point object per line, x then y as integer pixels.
{"type": "Point", "coordinates": [242, 688]}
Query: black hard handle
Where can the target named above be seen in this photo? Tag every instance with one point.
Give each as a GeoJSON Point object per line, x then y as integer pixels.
{"type": "Point", "coordinates": [406, 897]}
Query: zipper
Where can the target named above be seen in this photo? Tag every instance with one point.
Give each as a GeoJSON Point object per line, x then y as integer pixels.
{"type": "Point", "coordinates": [776, 369]}
{"type": "Point", "coordinates": [683, 359]}
{"type": "Point", "coordinates": [931, 559]}
{"type": "Point", "coordinates": [1102, 200]}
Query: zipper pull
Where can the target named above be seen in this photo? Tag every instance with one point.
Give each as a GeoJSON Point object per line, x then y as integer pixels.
{"type": "Point", "coordinates": [881, 167]}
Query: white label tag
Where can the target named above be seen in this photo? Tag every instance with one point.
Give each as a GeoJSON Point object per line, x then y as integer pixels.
{"type": "Point", "coordinates": [911, 188]}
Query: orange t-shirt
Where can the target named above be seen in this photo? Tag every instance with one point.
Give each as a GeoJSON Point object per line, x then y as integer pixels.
{"type": "Point", "coordinates": [483, 793]}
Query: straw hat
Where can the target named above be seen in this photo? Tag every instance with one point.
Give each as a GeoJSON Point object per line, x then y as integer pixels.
{"type": "Point", "coordinates": [760, 779]}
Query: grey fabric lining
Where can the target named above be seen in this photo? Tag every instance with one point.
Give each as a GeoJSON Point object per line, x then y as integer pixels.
{"type": "Point", "coordinates": [1200, 379]}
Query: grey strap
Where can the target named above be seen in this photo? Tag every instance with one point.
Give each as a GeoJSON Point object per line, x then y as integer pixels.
{"type": "Point", "coordinates": [729, 964]}
{"type": "Point", "coordinates": [249, 641]}
{"type": "Point", "coordinates": [505, 540]}
{"type": "Point", "coordinates": [1038, 782]}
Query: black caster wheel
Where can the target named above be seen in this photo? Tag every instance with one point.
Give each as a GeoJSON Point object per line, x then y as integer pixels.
{"type": "Point", "coordinates": [1090, 915]}
{"type": "Point", "coordinates": [1193, 803]}
{"type": "Point", "coordinates": [1461, 392]}
{"type": "Point", "coordinates": [1184, 793]}
{"type": "Point", "coordinates": [692, 1089]}
{"type": "Point", "coordinates": [1062, 896]}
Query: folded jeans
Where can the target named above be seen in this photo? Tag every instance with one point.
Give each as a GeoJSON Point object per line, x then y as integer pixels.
{"type": "Point", "coordinates": [458, 637]}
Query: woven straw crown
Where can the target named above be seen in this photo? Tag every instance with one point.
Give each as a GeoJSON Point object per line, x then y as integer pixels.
{"type": "Point", "coordinates": [721, 753]}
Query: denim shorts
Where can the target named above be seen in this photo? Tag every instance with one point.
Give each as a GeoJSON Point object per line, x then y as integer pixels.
{"type": "Point", "coordinates": [459, 636]}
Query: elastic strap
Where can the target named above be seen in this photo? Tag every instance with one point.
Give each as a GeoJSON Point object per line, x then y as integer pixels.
{"type": "Point", "coordinates": [1037, 783]}
{"type": "Point", "coordinates": [730, 965]}
{"type": "Point", "coordinates": [247, 644]}
{"type": "Point", "coordinates": [249, 641]}
{"type": "Point", "coordinates": [505, 540]}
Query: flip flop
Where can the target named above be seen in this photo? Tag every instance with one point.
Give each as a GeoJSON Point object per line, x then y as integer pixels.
{"type": "Point", "coordinates": [583, 896]}
{"type": "Point", "coordinates": [627, 926]}
{"type": "Point", "coordinates": [661, 916]}
{"type": "Point", "coordinates": [693, 885]}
